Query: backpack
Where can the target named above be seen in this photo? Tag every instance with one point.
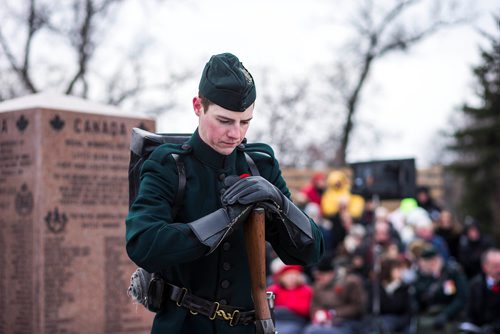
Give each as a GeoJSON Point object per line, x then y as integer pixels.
{"type": "Point", "coordinates": [143, 143]}
{"type": "Point", "coordinates": [148, 288]}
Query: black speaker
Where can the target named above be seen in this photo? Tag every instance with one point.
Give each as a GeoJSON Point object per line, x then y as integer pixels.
{"type": "Point", "coordinates": [387, 179]}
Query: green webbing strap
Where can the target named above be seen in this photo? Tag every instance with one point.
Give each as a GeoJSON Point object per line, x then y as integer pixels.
{"type": "Point", "coordinates": [181, 170]}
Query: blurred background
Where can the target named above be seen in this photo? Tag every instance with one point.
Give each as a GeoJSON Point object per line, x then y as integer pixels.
{"type": "Point", "coordinates": [384, 115]}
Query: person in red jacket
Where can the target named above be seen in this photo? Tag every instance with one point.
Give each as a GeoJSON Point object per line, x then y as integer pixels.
{"type": "Point", "coordinates": [315, 188]}
{"type": "Point", "coordinates": [293, 297]}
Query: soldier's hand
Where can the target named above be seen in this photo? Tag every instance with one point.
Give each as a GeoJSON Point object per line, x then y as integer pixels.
{"type": "Point", "coordinates": [252, 189]}
{"type": "Point", "coordinates": [288, 218]}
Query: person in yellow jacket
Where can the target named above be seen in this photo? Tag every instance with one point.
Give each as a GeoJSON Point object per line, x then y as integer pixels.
{"type": "Point", "coordinates": [338, 194]}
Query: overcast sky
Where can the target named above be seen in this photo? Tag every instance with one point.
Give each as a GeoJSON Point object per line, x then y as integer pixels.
{"type": "Point", "coordinates": [409, 97]}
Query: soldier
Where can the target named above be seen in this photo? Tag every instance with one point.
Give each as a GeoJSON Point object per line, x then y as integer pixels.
{"type": "Point", "coordinates": [200, 251]}
{"type": "Point", "coordinates": [441, 290]}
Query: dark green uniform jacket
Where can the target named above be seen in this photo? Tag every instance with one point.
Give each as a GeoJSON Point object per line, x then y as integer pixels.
{"type": "Point", "coordinates": [156, 241]}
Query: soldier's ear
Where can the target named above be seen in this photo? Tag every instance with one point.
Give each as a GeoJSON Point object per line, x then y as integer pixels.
{"type": "Point", "coordinates": [197, 106]}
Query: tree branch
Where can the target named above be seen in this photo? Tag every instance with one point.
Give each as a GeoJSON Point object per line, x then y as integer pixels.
{"type": "Point", "coordinates": [403, 43]}
{"type": "Point", "coordinates": [34, 24]}
{"type": "Point", "coordinates": [393, 14]}
{"type": "Point", "coordinates": [83, 44]}
{"type": "Point", "coordinates": [8, 52]}
{"type": "Point", "coordinates": [376, 48]}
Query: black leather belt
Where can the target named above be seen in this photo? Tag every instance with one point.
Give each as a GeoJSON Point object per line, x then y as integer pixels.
{"type": "Point", "coordinates": [212, 310]}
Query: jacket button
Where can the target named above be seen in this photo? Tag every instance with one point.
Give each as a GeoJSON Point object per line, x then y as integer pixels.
{"type": "Point", "coordinates": [222, 177]}
{"type": "Point", "coordinates": [223, 302]}
{"type": "Point", "coordinates": [186, 147]}
{"type": "Point", "coordinates": [226, 266]}
{"type": "Point", "coordinates": [225, 284]}
{"type": "Point", "coordinates": [226, 246]}
{"type": "Point", "coordinates": [222, 191]}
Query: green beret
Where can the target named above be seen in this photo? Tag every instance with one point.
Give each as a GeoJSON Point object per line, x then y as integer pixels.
{"type": "Point", "coordinates": [227, 83]}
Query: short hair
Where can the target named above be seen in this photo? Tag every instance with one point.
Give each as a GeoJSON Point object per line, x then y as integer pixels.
{"type": "Point", "coordinates": [205, 102]}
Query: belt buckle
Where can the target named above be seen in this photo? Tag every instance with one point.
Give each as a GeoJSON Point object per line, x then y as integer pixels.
{"type": "Point", "coordinates": [231, 317]}
{"type": "Point", "coordinates": [234, 319]}
{"type": "Point", "coordinates": [214, 314]}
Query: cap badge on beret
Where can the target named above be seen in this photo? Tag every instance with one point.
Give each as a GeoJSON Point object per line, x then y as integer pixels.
{"type": "Point", "coordinates": [247, 75]}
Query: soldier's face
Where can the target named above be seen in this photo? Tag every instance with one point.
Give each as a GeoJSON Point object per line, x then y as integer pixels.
{"type": "Point", "coordinates": [220, 128]}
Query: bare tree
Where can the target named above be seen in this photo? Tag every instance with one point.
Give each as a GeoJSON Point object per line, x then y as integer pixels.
{"type": "Point", "coordinates": [379, 32]}
{"type": "Point", "coordinates": [129, 86]}
{"type": "Point", "coordinates": [279, 112]}
{"type": "Point", "coordinates": [287, 113]}
{"type": "Point", "coordinates": [76, 31]}
{"type": "Point", "coordinates": [80, 29]}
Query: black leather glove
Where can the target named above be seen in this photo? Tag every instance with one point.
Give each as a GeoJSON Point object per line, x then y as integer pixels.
{"type": "Point", "coordinates": [253, 189]}
{"type": "Point", "coordinates": [439, 321]}
{"type": "Point", "coordinates": [257, 190]}
{"type": "Point", "coordinates": [215, 227]}
{"type": "Point", "coordinates": [271, 209]}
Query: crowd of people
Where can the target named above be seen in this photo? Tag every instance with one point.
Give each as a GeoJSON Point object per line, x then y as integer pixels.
{"type": "Point", "coordinates": [415, 269]}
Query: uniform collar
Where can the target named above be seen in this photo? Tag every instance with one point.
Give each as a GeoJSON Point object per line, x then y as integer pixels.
{"type": "Point", "coordinates": [208, 155]}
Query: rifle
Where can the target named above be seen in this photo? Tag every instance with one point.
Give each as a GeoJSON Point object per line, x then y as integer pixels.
{"type": "Point", "coordinates": [255, 245]}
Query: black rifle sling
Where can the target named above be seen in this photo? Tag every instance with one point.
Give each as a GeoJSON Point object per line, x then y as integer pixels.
{"type": "Point", "coordinates": [181, 170]}
{"type": "Point", "coordinates": [181, 184]}
{"type": "Point", "coordinates": [251, 164]}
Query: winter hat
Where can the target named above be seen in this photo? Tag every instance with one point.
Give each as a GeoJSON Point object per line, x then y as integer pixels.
{"type": "Point", "coordinates": [419, 218]}
{"type": "Point", "coordinates": [325, 264]}
{"type": "Point", "coordinates": [278, 268]}
{"type": "Point", "coordinates": [429, 252]}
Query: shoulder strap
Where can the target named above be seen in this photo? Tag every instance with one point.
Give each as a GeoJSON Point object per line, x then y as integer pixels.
{"type": "Point", "coordinates": [251, 164]}
{"type": "Point", "coordinates": [181, 171]}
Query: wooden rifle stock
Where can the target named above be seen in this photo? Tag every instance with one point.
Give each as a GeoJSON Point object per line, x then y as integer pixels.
{"type": "Point", "coordinates": [255, 244]}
